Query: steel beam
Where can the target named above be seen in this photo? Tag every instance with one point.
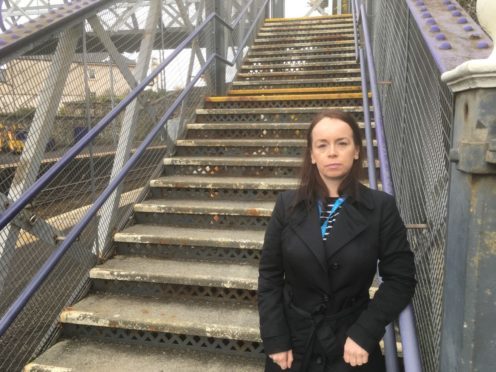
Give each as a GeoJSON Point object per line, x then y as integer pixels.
{"type": "Point", "coordinates": [189, 27]}
{"type": "Point", "coordinates": [126, 137]}
{"type": "Point", "coordinates": [112, 50]}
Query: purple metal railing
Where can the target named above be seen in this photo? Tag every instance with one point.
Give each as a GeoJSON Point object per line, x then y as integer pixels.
{"type": "Point", "coordinates": [411, 353]}
{"type": "Point", "coordinates": [31, 288]}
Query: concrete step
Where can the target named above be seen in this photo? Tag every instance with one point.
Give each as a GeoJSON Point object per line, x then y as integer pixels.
{"type": "Point", "coordinates": [302, 52]}
{"type": "Point", "coordinates": [211, 214]}
{"type": "Point", "coordinates": [301, 91]}
{"type": "Point", "coordinates": [248, 161]}
{"type": "Point", "coordinates": [274, 110]}
{"type": "Point", "coordinates": [84, 355]}
{"type": "Point", "coordinates": [317, 37]}
{"type": "Point", "coordinates": [238, 161]}
{"type": "Point", "coordinates": [300, 74]}
{"type": "Point", "coordinates": [271, 114]}
{"type": "Point", "coordinates": [222, 142]}
{"type": "Point", "coordinates": [278, 30]}
{"type": "Point", "coordinates": [345, 31]}
{"type": "Point", "coordinates": [240, 148]}
{"type": "Point", "coordinates": [255, 126]}
{"type": "Point", "coordinates": [294, 83]}
{"type": "Point", "coordinates": [301, 58]}
{"type": "Point", "coordinates": [248, 130]}
{"type": "Point", "coordinates": [220, 188]}
{"type": "Point", "coordinates": [210, 207]}
{"type": "Point", "coordinates": [274, 114]}
{"type": "Point", "coordinates": [236, 183]}
{"type": "Point", "coordinates": [300, 66]}
{"type": "Point", "coordinates": [287, 97]}
{"type": "Point", "coordinates": [179, 187]}
{"type": "Point", "coordinates": [287, 100]}
{"type": "Point", "coordinates": [183, 272]}
{"type": "Point", "coordinates": [236, 321]}
{"type": "Point", "coordinates": [191, 236]}
{"type": "Point", "coordinates": [196, 273]}
{"type": "Point", "coordinates": [303, 45]}
{"type": "Point", "coordinates": [307, 19]}
{"type": "Point", "coordinates": [262, 130]}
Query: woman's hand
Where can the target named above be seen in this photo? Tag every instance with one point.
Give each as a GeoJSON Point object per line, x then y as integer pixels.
{"type": "Point", "coordinates": [354, 354]}
{"type": "Point", "coordinates": [283, 359]}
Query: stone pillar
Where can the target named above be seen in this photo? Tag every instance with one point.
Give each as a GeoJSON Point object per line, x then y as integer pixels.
{"type": "Point", "coordinates": [468, 340]}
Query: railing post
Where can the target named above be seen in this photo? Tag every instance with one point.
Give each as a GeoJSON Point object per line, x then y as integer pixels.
{"type": "Point", "coordinates": [469, 318]}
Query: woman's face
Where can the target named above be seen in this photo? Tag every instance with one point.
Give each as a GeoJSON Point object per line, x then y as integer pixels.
{"type": "Point", "coordinates": [333, 150]}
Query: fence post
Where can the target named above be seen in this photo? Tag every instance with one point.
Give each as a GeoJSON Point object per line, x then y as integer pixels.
{"type": "Point", "coordinates": [469, 322]}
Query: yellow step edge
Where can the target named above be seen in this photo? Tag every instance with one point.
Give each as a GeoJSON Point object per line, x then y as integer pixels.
{"type": "Point", "coordinates": [343, 89]}
{"type": "Point", "coordinates": [348, 15]}
{"type": "Point", "coordinates": [292, 97]}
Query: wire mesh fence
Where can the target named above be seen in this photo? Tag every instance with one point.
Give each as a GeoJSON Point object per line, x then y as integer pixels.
{"type": "Point", "coordinates": [51, 97]}
{"type": "Point", "coordinates": [417, 110]}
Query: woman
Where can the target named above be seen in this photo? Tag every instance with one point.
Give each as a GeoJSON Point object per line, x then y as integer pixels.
{"type": "Point", "coordinates": [320, 256]}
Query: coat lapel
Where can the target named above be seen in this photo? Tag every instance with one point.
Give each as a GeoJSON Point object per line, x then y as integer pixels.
{"type": "Point", "coordinates": [306, 225]}
{"type": "Point", "coordinates": [348, 225]}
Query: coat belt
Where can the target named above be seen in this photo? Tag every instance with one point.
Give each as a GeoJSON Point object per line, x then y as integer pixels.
{"type": "Point", "coordinates": [321, 329]}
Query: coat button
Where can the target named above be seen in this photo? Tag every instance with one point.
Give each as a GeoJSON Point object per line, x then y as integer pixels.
{"type": "Point", "coordinates": [335, 265]}
{"type": "Point", "coordinates": [318, 360]}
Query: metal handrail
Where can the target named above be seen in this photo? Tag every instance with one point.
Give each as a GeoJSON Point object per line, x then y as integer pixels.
{"type": "Point", "coordinates": [38, 279]}
{"type": "Point", "coordinates": [411, 353]}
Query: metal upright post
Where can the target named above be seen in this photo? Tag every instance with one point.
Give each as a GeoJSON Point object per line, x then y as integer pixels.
{"type": "Point", "coordinates": [468, 336]}
{"type": "Point", "coordinates": [39, 134]}
{"type": "Point", "coordinates": [126, 137]}
{"type": "Point", "coordinates": [220, 49]}
{"type": "Point", "coordinates": [278, 8]}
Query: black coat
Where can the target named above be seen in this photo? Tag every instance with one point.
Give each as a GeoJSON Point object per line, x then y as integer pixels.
{"type": "Point", "coordinates": [313, 294]}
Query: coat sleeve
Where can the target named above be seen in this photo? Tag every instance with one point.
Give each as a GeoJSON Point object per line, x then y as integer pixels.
{"type": "Point", "coordinates": [273, 326]}
{"type": "Point", "coordinates": [397, 270]}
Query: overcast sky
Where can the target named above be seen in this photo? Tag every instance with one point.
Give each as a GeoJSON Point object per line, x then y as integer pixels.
{"type": "Point", "coordinates": [298, 8]}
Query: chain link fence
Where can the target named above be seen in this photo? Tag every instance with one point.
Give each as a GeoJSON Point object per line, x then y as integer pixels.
{"type": "Point", "coordinates": [417, 110]}
{"type": "Point", "coordinates": [43, 114]}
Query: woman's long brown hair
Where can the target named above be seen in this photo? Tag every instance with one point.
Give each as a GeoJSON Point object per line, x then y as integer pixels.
{"type": "Point", "coordinates": [312, 187]}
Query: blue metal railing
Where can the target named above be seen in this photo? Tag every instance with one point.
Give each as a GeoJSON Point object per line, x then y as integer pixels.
{"type": "Point", "coordinates": [411, 353]}
{"type": "Point", "coordinates": [31, 288]}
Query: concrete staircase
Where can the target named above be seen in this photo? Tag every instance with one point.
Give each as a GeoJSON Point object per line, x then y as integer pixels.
{"type": "Point", "coordinates": [180, 292]}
